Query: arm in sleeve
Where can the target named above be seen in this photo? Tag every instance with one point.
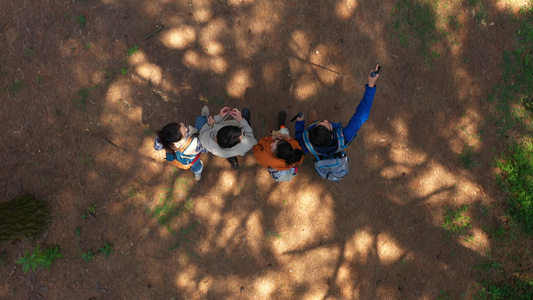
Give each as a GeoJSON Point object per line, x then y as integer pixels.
{"type": "Point", "coordinates": [361, 114]}
{"type": "Point", "coordinates": [247, 129]}
{"type": "Point", "coordinates": [300, 128]}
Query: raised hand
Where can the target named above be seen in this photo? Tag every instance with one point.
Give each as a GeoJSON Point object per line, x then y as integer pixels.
{"type": "Point", "coordinates": [224, 112]}
{"type": "Point", "coordinates": [372, 80]}
{"type": "Point", "coordinates": [210, 121]}
{"type": "Point", "coordinates": [237, 115]}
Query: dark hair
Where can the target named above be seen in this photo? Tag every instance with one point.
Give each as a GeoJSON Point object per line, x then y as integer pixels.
{"type": "Point", "coordinates": [320, 136]}
{"type": "Point", "coordinates": [285, 151]}
{"type": "Point", "coordinates": [229, 136]}
{"type": "Point", "coordinates": [169, 135]}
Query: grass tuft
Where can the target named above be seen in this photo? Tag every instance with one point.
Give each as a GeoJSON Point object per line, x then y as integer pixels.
{"type": "Point", "coordinates": [468, 157]}
{"type": "Point", "coordinates": [455, 222]}
{"type": "Point", "coordinates": [38, 258]}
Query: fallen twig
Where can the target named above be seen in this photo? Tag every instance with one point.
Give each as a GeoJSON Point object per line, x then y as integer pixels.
{"type": "Point", "coordinates": [112, 144]}
{"type": "Point", "coordinates": [224, 2]}
{"type": "Point", "coordinates": [313, 64]}
{"type": "Point", "coordinates": [158, 30]}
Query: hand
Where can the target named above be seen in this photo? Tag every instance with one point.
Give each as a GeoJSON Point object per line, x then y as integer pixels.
{"type": "Point", "coordinates": [224, 112]}
{"type": "Point", "coordinates": [210, 121]}
{"type": "Point", "coordinates": [372, 80]}
{"type": "Point", "coordinates": [300, 118]}
{"type": "Point", "coordinates": [237, 115]}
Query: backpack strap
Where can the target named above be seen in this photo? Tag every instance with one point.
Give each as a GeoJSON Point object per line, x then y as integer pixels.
{"type": "Point", "coordinates": [192, 162]}
{"type": "Point", "coordinates": [185, 145]}
{"type": "Point", "coordinates": [341, 140]}
{"type": "Point", "coordinates": [308, 144]}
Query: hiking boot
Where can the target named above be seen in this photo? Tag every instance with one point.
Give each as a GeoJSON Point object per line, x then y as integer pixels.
{"type": "Point", "coordinates": [246, 115]}
{"type": "Point", "coordinates": [233, 162]}
{"type": "Point", "coordinates": [282, 116]}
{"type": "Point", "coordinates": [205, 111]}
{"type": "Point", "coordinates": [313, 116]}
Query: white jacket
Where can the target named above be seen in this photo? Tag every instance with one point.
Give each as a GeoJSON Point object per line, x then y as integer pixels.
{"type": "Point", "coordinates": [193, 147]}
{"type": "Point", "coordinates": [208, 136]}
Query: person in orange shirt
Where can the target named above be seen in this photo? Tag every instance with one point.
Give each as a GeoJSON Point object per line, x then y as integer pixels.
{"type": "Point", "coordinates": [279, 153]}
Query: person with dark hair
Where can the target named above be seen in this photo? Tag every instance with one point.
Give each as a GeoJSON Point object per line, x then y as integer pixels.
{"type": "Point", "coordinates": [182, 146]}
{"type": "Point", "coordinates": [228, 138]}
{"type": "Point", "coordinates": [279, 153]}
{"type": "Point", "coordinates": [323, 135]}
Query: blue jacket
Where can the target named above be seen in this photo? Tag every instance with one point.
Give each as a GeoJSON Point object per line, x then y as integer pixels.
{"type": "Point", "coordinates": [350, 131]}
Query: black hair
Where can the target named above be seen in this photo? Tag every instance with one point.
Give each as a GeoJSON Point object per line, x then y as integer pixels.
{"type": "Point", "coordinates": [320, 136]}
{"type": "Point", "coordinates": [285, 151]}
{"type": "Point", "coordinates": [229, 136]}
{"type": "Point", "coordinates": [169, 135]}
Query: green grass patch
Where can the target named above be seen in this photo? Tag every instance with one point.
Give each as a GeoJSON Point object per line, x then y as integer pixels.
{"type": "Point", "coordinates": [147, 130]}
{"type": "Point", "coordinates": [88, 160]}
{"type": "Point", "coordinates": [515, 288]}
{"type": "Point", "coordinates": [131, 51]}
{"type": "Point", "coordinates": [516, 178]}
{"type": "Point", "coordinates": [513, 96]}
{"type": "Point", "coordinates": [443, 295]}
{"type": "Point", "coordinates": [38, 258]}
{"type": "Point", "coordinates": [478, 9]}
{"type": "Point", "coordinates": [490, 265]}
{"type": "Point", "coordinates": [513, 114]}
{"type": "Point", "coordinates": [77, 231]}
{"type": "Point", "coordinates": [468, 157]}
{"type": "Point", "coordinates": [413, 22]}
{"type": "Point", "coordinates": [80, 102]}
{"type": "Point", "coordinates": [107, 249]}
{"type": "Point", "coordinates": [496, 232]}
{"type": "Point", "coordinates": [81, 20]}
{"type": "Point", "coordinates": [15, 86]}
{"type": "Point", "coordinates": [218, 100]}
{"type": "Point", "coordinates": [90, 210]}
{"type": "Point", "coordinates": [455, 223]}
{"type": "Point", "coordinates": [169, 207]}
{"type": "Point", "coordinates": [182, 236]}
{"type": "Point", "coordinates": [3, 257]}
{"type": "Point", "coordinates": [168, 210]}
{"type": "Point", "coordinates": [88, 256]}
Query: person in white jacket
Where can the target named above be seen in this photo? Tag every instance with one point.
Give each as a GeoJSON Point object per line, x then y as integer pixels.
{"type": "Point", "coordinates": [228, 138]}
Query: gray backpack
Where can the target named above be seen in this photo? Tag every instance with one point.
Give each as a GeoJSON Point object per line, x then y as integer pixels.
{"type": "Point", "coordinates": [335, 167]}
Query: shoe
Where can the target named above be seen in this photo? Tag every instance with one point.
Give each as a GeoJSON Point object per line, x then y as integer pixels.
{"type": "Point", "coordinates": [246, 115]}
{"type": "Point", "coordinates": [282, 116]}
{"type": "Point", "coordinates": [313, 116]}
{"type": "Point", "coordinates": [198, 176]}
{"type": "Point", "coordinates": [233, 162]}
{"type": "Point", "coordinates": [205, 111]}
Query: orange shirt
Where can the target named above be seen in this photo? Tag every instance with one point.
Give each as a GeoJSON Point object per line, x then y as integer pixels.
{"type": "Point", "coordinates": [265, 157]}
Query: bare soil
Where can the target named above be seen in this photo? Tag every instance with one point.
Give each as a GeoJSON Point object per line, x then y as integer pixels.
{"type": "Point", "coordinates": [78, 117]}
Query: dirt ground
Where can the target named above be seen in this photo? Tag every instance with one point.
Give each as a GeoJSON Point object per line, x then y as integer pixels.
{"type": "Point", "coordinates": [85, 85]}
